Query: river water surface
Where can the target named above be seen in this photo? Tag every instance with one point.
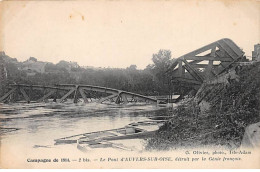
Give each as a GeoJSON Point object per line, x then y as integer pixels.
{"type": "Point", "coordinates": [39, 124]}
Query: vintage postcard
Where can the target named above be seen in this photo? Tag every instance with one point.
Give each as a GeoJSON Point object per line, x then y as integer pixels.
{"type": "Point", "coordinates": [140, 84]}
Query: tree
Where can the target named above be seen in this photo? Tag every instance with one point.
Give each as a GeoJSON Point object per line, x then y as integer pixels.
{"type": "Point", "coordinates": [161, 63]}
{"type": "Point", "coordinates": [131, 67]}
{"type": "Point", "coordinates": [32, 59]}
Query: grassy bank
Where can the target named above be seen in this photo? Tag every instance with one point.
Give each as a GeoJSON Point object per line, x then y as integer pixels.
{"type": "Point", "coordinates": [233, 106]}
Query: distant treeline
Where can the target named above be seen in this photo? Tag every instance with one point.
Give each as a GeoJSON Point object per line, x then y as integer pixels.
{"type": "Point", "coordinates": [150, 81]}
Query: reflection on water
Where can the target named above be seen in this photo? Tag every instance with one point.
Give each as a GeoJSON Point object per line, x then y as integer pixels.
{"type": "Point", "coordinates": [40, 124]}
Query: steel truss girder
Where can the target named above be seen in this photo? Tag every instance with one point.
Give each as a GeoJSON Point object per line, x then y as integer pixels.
{"type": "Point", "coordinates": [224, 51]}
{"type": "Point", "coordinates": [77, 91]}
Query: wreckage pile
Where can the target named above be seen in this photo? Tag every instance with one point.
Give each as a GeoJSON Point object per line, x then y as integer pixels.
{"type": "Point", "coordinates": [231, 107]}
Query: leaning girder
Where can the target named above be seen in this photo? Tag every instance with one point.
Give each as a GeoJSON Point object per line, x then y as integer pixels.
{"type": "Point", "coordinates": [186, 68]}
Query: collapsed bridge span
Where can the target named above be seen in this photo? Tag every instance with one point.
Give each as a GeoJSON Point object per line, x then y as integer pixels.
{"type": "Point", "coordinates": [75, 91]}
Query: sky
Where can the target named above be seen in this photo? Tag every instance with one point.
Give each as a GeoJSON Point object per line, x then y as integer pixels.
{"type": "Point", "coordinates": [120, 33]}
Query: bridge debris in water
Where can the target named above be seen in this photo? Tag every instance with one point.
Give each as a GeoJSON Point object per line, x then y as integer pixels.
{"type": "Point", "coordinates": [106, 138]}
{"type": "Point", "coordinates": [62, 92]}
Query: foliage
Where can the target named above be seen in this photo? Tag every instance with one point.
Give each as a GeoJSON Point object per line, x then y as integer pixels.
{"type": "Point", "coordinates": [161, 63]}
{"type": "Point", "coordinates": [33, 59]}
{"type": "Point", "coordinates": [223, 125]}
{"type": "Point", "coordinates": [149, 81]}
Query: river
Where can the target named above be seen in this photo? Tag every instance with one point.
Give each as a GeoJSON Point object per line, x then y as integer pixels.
{"type": "Point", "coordinates": [37, 125]}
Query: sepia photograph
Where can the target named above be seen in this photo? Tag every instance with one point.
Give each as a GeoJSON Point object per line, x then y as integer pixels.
{"type": "Point", "coordinates": [140, 84]}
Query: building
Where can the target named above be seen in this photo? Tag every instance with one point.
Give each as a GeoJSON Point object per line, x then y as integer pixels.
{"type": "Point", "coordinates": [256, 53]}
{"type": "Point", "coordinates": [67, 65]}
{"type": "Point", "coordinates": [33, 66]}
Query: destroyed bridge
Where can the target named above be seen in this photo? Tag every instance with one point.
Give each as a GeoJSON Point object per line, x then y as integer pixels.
{"type": "Point", "coordinates": [196, 67]}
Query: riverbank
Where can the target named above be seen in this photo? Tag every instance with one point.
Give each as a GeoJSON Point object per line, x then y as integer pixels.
{"type": "Point", "coordinates": [230, 108]}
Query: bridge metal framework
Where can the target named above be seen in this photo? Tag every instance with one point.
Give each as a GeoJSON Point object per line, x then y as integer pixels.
{"type": "Point", "coordinates": [205, 63]}
{"type": "Point", "coordinates": [77, 91]}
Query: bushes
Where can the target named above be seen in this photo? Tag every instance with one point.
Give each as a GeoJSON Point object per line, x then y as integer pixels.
{"type": "Point", "coordinates": [221, 126]}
